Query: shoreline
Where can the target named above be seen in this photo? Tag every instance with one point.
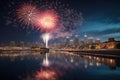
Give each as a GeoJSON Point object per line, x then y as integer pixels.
{"type": "Point", "coordinates": [112, 53]}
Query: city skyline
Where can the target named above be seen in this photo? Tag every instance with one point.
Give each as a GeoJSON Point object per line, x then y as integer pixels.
{"type": "Point", "coordinates": [100, 20]}
{"type": "Point", "coordinates": [59, 40]}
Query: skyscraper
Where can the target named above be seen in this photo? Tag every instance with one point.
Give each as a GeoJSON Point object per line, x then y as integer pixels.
{"type": "Point", "coordinates": [67, 43]}
{"type": "Point", "coordinates": [71, 43]}
{"type": "Point", "coordinates": [82, 43]}
{"type": "Point", "coordinates": [90, 40]}
{"type": "Point", "coordinates": [85, 39]}
{"type": "Point", "coordinates": [76, 40]}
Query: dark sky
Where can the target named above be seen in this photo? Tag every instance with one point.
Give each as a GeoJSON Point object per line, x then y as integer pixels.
{"type": "Point", "coordinates": [101, 20]}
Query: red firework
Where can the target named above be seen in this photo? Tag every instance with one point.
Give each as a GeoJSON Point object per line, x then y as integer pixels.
{"type": "Point", "coordinates": [27, 14]}
{"type": "Point", "coordinates": [47, 20]}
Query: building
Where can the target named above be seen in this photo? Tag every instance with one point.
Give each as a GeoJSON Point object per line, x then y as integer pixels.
{"type": "Point", "coordinates": [90, 40]}
{"type": "Point", "coordinates": [97, 41]}
{"type": "Point", "coordinates": [12, 44]}
{"type": "Point", "coordinates": [22, 44]}
{"type": "Point", "coordinates": [85, 40]}
{"type": "Point", "coordinates": [111, 39]}
{"type": "Point", "coordinates": [82, 43]}
{"type": "Point", "coordinates": [67, 43]}
{"type": "Point", "coordinates": [110, 44]}
{"type": "Point", "coordinates": [71, 43]}
{"type": "Point", "coordinates": [76, 40]}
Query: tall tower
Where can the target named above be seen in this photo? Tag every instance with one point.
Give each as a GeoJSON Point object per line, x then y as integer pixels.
{"type": "Point", "coordinates": [67, 43]}
{"type": "Point", "coordinates": [76, 40]}
{"type": "Point", "coordinates": [71, 43]}
{"type": "Point", "coordinates": [85, 39]}
{"type": "Point", "coordinates": [90, 40]}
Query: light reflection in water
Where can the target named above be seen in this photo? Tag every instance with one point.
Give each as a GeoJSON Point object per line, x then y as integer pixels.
{"type": "Point", "coordinates": [98, 61]}
{"type": "Point", "coordinates": [46, 62]}
{"type": "Point", "coordinates": [46, 75]}
{"type": "Point", "coordinates": [55, 65]}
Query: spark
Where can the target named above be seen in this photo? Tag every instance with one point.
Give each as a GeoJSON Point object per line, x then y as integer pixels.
{"type": "Point", "coordinates": [27, 14]}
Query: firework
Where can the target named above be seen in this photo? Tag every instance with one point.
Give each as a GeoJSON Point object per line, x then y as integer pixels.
{"type": "Point", "coordinates": [47, 20]}
{"type": "Point", "coordinates": [27, 14]}
{"type": "Point", "coordinates": [51, 17]}
{"type": "Point", "coordinates": [46, 17]}
{"type": "Point", "coordinates": [46, 37]}
{"type": "Point", "coordinates": [69, 19]}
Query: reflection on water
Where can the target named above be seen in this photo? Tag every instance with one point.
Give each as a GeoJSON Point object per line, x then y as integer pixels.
{"type": "Point", "coordinates": [58, 66]}
{"type": "Point", "coordinates": [46, 61]}
{"type": "Point", "coordinates": [46, 75]}
{"type": "Point", "coordinates": [97, 61]}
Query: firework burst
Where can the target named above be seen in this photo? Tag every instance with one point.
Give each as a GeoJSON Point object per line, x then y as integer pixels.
{"type": "Point", "coordinates": [47, 20]}
{"type": "Point", "coordinates": [49, 16]}
{"type": "Point", "coordinates": [27, 14]}
{"type": "Point", "coordinates": [45, 16]}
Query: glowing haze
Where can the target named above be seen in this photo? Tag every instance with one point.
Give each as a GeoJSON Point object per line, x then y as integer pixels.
{"type": "Point", "coordinates": [47, 20]}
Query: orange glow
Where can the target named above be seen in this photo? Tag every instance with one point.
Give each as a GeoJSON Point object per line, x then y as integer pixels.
{"type": "Point", "coordinates": [46, 75]}
{"type": "Point", "coordinates": [47, 20]}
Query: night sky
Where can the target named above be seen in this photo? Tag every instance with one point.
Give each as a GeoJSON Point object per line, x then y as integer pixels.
{"type": "Point", "coordinates": [101, 19]}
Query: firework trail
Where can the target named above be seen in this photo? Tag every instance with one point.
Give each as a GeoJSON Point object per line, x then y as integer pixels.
{"type": "Point", "coordinates": [46, 37]}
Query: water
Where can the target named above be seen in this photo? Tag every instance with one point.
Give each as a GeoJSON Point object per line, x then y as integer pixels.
{"type": "Point", "coordinates": [63, 66]}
